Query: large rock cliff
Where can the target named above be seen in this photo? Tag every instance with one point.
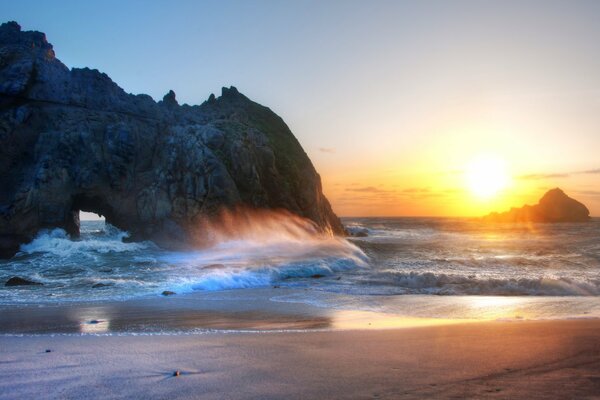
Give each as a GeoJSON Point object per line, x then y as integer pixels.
{"type": "Point", "coordinates": [554, 206]}
{"type": "Point", "coordinates": [72, 139]}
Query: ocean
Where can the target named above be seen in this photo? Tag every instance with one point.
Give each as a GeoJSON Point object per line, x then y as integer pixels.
{"type": "Point", "coordinates": [420, 267]}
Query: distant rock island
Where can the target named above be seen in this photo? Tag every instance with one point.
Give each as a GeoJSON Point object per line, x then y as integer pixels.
{"type": "Point", "coordinates": [554, 206]}
{"type": "Point", "coordinates": [72, 140]}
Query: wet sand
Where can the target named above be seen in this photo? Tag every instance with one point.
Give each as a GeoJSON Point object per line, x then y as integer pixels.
{"type": "Point", "coordinates": [516, 360]}
{"type": "Point", "coordinates": [246, 309]}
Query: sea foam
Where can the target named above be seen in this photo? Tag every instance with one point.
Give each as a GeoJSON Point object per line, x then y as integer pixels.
{"type": "Point", "coordinates": [58, 242]}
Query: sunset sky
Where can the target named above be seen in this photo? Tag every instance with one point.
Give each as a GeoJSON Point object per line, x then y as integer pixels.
{"type": "Point", "coordinates": [397, 104]}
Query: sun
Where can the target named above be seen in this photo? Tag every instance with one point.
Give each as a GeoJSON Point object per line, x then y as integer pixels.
{"type": "Point", "coordinates": [486, 176]}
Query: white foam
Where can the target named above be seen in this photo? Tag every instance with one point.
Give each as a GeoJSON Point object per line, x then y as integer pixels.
{"type": "Point", "coordinates": [57, 242]}
{"type": "Point", "coordinates": [245, 263]}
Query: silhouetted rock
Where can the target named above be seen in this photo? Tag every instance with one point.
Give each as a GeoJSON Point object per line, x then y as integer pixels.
{"type": "Point", "coordinates": [10, 243]}
{"type": "Point", "coordinates": [168, 293]}
{"type": "Point", "coordinates": [357, 231]}
{"type": "Point", "coordinates": [18, 281]}
{"type": "Point", "coordinates": [101, 285]}
{"type": "Point", "coordinates": [71, 140]}
{"type": "Point", "coordinates": [169, 99]}
{"type": "Point", "coordinates": [554, 206]}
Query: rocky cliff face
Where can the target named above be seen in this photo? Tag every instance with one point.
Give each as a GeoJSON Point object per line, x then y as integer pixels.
{"type": "Point", "coordinates": [554, 206]}
{"type": "Point", "coordinates": [71, 140]}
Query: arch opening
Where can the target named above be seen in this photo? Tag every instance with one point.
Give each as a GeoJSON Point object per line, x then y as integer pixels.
{"type": "Point", "coordinates": [87, 208]}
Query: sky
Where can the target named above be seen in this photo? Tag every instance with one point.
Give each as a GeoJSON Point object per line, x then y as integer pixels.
{"type": "Point", "coordinates": [394, 102]}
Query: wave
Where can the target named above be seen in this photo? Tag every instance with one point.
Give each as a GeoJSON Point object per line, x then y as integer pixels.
{"type": "Point", "coordinates": [247, 263]}
{"type": "Point", "coordinates": [249, 248]}
{"type": "Point", "coordinates": [254, 247]}
{"type": "Point", "coordinates": [456, 284]}
{"type": "Point", "coordinates": [100, 266]}
{"type": "Point", "coordinates": [57, 242]}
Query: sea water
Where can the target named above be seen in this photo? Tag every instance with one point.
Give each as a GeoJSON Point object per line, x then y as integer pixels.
{"type": "Point", "coordinates": [434, 267]}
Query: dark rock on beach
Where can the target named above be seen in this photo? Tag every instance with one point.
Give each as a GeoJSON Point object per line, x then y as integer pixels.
{"type": "Point", "coordinates": [554, 206]}
{"type": "Point", "coordinates": [168, 293]}
{"type": "Point", "coordinates": [18, 281]}
{"type": "Point", "coordinates": [72, 140]}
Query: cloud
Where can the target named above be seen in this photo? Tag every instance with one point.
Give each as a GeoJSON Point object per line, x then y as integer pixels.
{"type": "Point", "coordinates": [591, 193]}
{"type": "Point", "coordinates": [557, 175]}
{"type": "Point", "coordinates": [368, 189]}
{"type": "Point", "coordinates": [416, 190]}
{"type": "Point", "coordinates": [543, 176]}
{"type": "Point", "coordinates": [330, 150]}
{"type": "Point", "coordinates": [372, 192]}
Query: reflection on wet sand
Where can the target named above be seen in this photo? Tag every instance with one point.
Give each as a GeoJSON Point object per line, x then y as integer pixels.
{"type": "Point", "coordinates": [352, 320]}
{"type": "Point", "coordinates": [124, 318]}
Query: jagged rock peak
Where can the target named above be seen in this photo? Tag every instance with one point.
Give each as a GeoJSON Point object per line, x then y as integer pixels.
{"type": "Point", "coordinates": [169, 99]}
{"type": "Point", "coordinates": [10, 26]}
{"type": "Point", "coordinates": [10, 32]}
{"type": "Point", "coordinates": [229, 92]}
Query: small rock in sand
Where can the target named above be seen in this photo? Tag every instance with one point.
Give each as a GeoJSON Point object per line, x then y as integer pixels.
{"type": "Point", "coordinates": [168, 293]}
{"type": "Point", "coordinates": [48, 351]}
{"type": "Point", "coordinates": [176, 373]}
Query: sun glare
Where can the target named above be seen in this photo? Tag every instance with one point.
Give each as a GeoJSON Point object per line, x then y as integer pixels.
{"type": "Point", "coordinates": [486, 177]}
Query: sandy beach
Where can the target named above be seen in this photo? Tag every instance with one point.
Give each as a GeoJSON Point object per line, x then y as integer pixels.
{"type": "Point", "coordinates": [516, 360]}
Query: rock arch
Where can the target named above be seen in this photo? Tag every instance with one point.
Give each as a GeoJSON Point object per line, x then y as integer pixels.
{"type": "Point", "coordinates": [73, 140]}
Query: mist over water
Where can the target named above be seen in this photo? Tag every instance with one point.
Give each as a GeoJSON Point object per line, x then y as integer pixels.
{"type": "Point", "coordinates": [400, 256]}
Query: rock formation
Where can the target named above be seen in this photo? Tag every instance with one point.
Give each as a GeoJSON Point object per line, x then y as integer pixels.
{"type": "Point", "coordinates": [18, 281]}
{"type": "Point", "coordinates": [554, 206]}
{"type": "Point", "coordinates": [72, 139]}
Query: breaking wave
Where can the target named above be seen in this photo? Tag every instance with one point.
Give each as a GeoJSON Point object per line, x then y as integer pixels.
{"type": "Point", "coordinates": [246, 249]}
{"type": "Point", "coordinates": [457, 284]}
{"type": "Point", "coordinates": [57, 242]}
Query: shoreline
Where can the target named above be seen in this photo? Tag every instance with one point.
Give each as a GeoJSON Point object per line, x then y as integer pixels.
{"type": "Point", "coordinates": [494, 359]}
{"type": "Point", "coordinates": [281, 309]}
{"type": "Point", "coordinates": [204, 312]}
